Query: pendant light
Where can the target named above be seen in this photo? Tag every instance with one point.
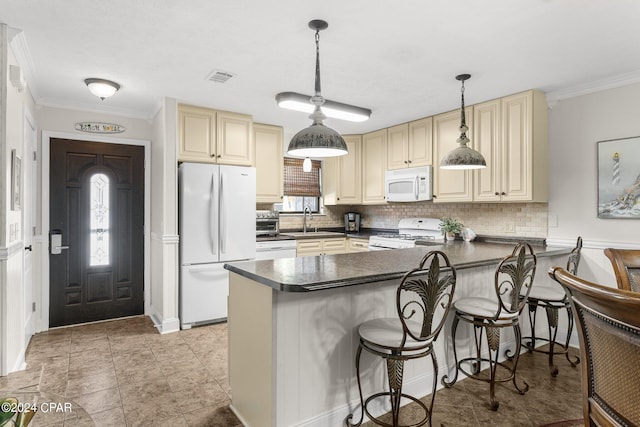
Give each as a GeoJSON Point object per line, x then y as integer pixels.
{"type": "Point", "coordinates": [317, 140]}
{"type": "Point", "coordinates": [463, 157]}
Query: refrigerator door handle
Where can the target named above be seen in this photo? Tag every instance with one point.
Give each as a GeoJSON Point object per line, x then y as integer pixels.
{"type": "Point", "coordinates": [212, 217]}
{"type": "Point", "coordinates": [223, 226]}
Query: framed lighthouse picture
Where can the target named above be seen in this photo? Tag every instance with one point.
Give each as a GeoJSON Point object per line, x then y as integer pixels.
{"type": "Point", "coordinates": [619, 178]}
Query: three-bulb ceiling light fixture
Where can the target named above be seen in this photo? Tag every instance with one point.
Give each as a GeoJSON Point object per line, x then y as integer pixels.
{"type": "Point", "coordinates": [102, 88]}
{"type": "Point", "coordinates": [317, 140]}
{"type": "Point", "coordinates": [463, 157]}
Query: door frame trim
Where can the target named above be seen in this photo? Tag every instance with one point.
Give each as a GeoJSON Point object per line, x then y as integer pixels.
{"type": "Point", "coordinates": [47, 136]}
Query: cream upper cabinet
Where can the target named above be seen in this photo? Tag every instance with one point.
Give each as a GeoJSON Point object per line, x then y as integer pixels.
{"type": "Point", "coordinates": [487, 140]}
{"type": "Point", "coordinates": [410, 144]}
{"type": "Point", "coordinates": [374, 163]}
{"type": "Point", "coordinates": [235, 139]}
{"type": "Point", "coordinates": [398, 147]}
{"type": "Point", "coordinates": [212, 136]}
{"type": "Point", "coordinates": [512, 135]}
{"type": "Point", "coordinates": [342, 176]}
{"type": "Point", "coordinates": [269, 163]}
{"type": "Point", "coordinates": [197, 132]}
{"type": "Point", "coordinates": [450, 185]}
{"type": "Point", "coordinates": [421, 142]}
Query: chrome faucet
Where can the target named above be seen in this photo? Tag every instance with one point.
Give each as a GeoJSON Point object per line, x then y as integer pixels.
{"type": "Point", "coordinates": [304, 220]}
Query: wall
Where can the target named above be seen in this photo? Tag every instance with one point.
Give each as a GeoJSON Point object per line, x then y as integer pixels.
{"type": "Point", "coordinates": [14, 104]}
{"type": "Point", "coordinates": [576, 125]}
{"type": "Point", "coordinates": [493, 219]}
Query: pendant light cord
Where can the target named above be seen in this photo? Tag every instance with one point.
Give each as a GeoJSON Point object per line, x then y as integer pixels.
{"type": "Point", "coordinates": [463, 121]}
{"type": "Point", "coordinates": [318, 63]}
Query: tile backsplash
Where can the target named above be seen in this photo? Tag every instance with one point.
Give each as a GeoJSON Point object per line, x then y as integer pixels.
{"type": "Point", "coordinates": [493, 219]}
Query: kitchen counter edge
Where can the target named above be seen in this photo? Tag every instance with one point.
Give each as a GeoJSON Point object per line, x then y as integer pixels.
{"type": "Point", "coordinates": [303, 274]}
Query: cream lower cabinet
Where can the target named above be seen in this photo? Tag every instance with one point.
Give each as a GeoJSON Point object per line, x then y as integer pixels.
{"type": "Point", "coordinates": [269, 163]}
{"type": "Point", "coordinates": [512, 135]}
{"type": "Point", "coordinates": [342, 176]}
{"type": "Point", "coordinates": [210, 136]}
{"type": "Point", "coordinates": [316, 247]}
{"type": "Point", "coordinates": [374, 163]}
{"type": "Point", "coordinates": [450, 185]}
{"type": "Point", "coordinates": [355, 244]}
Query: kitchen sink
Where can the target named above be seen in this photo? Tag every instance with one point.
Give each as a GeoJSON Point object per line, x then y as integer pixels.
{"type": "Point", "coordinates": [319, 234]}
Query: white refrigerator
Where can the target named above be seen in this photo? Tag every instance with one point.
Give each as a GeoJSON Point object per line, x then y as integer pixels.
{"type": "Point", "coordinates": [217, 216]}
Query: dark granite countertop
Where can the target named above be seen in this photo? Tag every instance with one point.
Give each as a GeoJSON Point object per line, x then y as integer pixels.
{"type": "Point", "coordinates": [311, 273]}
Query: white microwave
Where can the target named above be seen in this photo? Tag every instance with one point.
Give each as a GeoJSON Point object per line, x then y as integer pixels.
{"type": "Point", "coordinates": [408, 185]}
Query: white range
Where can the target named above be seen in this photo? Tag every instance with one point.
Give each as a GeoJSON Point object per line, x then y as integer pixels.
{"type": "Point", "coordinates": [409, 230]}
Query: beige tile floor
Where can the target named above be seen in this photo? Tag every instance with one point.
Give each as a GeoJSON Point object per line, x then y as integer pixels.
{"type": "Point", "coordinates": [123, 373]}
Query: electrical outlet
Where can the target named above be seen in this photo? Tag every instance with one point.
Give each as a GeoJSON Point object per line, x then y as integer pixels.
{"type": "Point", "coordinates": [510, 227]}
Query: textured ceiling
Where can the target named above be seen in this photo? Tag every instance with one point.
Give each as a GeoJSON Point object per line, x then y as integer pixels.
{"type": "Point", "coordinates": [397, 58]}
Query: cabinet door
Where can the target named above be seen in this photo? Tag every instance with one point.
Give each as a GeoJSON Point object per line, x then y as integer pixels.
{"type": "Point", "coordinates": [374, 164]}
{"type": "Point", "coordinates": [235, 144]}
{"type": "Point", "coordinates": [309, 247]}
{"type": "Point", "coordinates": [334, 246]}
{"type": "Point", "coordinates": [269, 163]}
{"type": "Point", "coordinates": [397, 150]}
{"type": "Point", "coordinates": [517, 111]}
{"type": "Point", "coordinates": [420, 142]}
{"type": "Point", "coordinates": [487, 140]}
{"type": "Point", "coordinates": [197, 130]}
{"type": "Point", "coordinates": [357, 245]}
{"type": "Point", "coordinates": [350, 172]}
{"type": "Point", "coordinates": [450, 185]}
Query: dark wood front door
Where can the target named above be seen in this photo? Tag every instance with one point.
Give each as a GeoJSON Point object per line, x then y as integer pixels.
{"type": "Point", "coordinates": [97, 208]}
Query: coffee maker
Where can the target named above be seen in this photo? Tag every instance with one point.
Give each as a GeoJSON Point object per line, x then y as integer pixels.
{"type": "Point", "coordinates": [352, 222]}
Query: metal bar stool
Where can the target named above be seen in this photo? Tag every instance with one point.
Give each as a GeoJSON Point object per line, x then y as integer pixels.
{"type": "Point", "coordinates": [552, 298]}
{"type": "Point", "coordinates": [423, 300]}
{"type": "Point", "coordinates": [512, 281]}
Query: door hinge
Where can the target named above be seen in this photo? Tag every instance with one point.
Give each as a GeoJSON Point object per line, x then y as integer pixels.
{"type": "Point", "coordinates": [33, 230]}
{"type": "Point", "coordinates": [33, 306]}
{"type": "Point", "coordinates": [35, 156]}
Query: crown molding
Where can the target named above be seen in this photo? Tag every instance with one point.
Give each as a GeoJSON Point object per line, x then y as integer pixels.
{"type": "Point", "coordinates": [595, 86]}
{"type": "Point", "coordinates": [20, 49]}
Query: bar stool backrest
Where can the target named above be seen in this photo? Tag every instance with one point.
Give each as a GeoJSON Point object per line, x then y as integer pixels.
{"type": "Point", "coordinates": [514, 278]}
{"type": "Point", "coordinates": [574, 258]}
{"type": "Point", "coordinates": [424, 296]}
{"type": "Point", "coordinates": [626, 266]}
{"type": "Point", "coordinates": [609, 331]}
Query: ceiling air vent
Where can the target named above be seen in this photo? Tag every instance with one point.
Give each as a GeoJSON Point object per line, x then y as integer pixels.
{"type": "Point", "coordinates": [219, 76]}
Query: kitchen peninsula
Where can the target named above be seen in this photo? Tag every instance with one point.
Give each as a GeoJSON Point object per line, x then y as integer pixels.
{"type": "Point", "coordinates": [293, 327]}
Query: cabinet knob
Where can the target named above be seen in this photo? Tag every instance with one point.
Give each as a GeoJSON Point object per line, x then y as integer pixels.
{"type": "Point", "coordinates": [503, 193]}
{"type": "Point", "coordinates": [405, 162]}
{"type": "Point", "coordinates": [219, 156]}
{"type": "Point", "coordinates": [213, 155]}
{"type": "Point", "coordinates": [497, 194]}
{"type": "Point", "coordinates": [409, 161]}
{"type": "Point", "coordinates": [435, 196]}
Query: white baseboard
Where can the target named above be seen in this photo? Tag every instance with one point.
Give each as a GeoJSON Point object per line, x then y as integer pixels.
{"type": "Point", "coordinates": [164, 326]}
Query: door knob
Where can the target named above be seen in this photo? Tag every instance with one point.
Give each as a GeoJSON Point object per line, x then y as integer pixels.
{"type": "Point", "coordinates": [28, 248]}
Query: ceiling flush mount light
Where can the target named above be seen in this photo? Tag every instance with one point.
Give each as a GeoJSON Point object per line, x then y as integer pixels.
{"type": "Point", "coordinates": [463, 157]}
{"type": "Point", "coordinates": [317, 140]}
{"type": "Point", "coordinates": [102, 88]}
{"type": "Point", "coordinates": [337, 110]}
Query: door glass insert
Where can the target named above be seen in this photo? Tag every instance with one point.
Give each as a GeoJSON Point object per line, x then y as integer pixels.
{"type": "Point", "coordinates": [99, 220]}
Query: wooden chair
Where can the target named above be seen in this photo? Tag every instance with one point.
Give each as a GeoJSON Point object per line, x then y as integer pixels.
{"type": "Point", "coordinates": [626, 266]}
{"type": "Point", "coordinates": [423, 300]}
{"type": "Point", "coordinates": [512, 281]}
{"type": "Point", "coordinates": [552, 298]}
{"type": "Point", "coordinates": [608, 322]}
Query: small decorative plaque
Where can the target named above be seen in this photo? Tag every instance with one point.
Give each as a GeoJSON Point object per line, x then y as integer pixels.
{"type": "Point", "coordinates": [97, 127]}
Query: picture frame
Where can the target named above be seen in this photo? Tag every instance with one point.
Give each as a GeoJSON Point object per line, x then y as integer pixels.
{"type": "Point", "coordinates": [16, 184]}
{"type": "Point", "coordinates": [619, 178]}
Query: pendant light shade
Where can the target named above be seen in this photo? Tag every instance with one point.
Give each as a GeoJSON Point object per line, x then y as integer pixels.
{"type": "Point", "coordinates": [463, 157]}
{"type": "Point", "coordinates": [317, 140]}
